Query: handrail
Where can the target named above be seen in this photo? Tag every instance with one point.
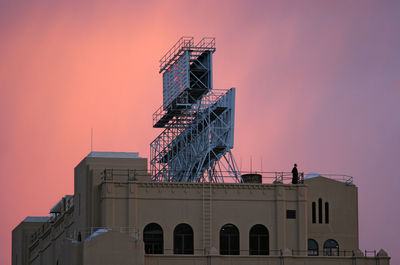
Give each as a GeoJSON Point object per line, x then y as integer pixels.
{"type": "Point", "coordinates": [268, 177]}
{"type": "Point", "coordinates": [206, 42]}
{"type": "Point", "coordinates": [186, 43]}
{"type": "Point", "coordinates": [208, 100]}
{"type": "Point", "coordinates": [339, 177]}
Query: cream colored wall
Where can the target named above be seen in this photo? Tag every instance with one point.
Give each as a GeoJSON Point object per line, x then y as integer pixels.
{"type": "Point", "coordinates": [134, 204]}
{"type": "Point", "coordinates": [113, 248]}
{"type": "Point", "coordinates": [88, 176]}
{"type": "Point", "coordinates": [343, 212]}
{"type": "Point", "coordinates": [54, 244]}
{"type": "Point", "coordinates": [244, 205]}
{"type": "Point", "coordinates": [21, 238]}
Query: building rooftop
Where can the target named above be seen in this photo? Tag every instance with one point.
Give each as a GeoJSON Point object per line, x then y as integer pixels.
{"type": "Point", "coordinates": [114, 154]}
{"type": "Point", "coordinates": [36, 219]}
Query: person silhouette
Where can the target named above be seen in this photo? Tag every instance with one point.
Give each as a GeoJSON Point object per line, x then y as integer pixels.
{"type": "Point", "coordinates": [295, 175]}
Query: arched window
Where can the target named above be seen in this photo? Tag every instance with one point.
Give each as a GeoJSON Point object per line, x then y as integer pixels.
{"type": "Point", "coordinates": [326, 213]}
{"type": "Point", "coordinates": [153, 239]}
{"type": "Point", "coordinates": [183, 239]}
{"type": "Point", "coordinates": [331, 248]}
{"type": "Point", "coordinates": [314, 212]}
{"type": "Point", "coordinates": [320, 210]}
{"type": "Point", "coordinates": [259, 240]}
{"type": "Point", "coordinates": [229, 240]}
{"type": "Point", "coordinates": [312, 247]}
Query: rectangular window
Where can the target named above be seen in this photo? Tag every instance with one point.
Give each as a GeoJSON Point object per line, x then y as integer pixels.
{"type": "Point", "coordinates": [291, 214]}
{"type": "Point", "coordinates": [326, 213]}
{"type": "Point", "coordinates": [320, 211]}
{"type": "Point", "coordinates": [314, 213]}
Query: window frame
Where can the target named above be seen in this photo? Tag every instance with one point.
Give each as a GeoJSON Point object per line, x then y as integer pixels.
{"type": "Point", "coordinates": [259, 237]}
{"type": "Point", "coordinates": [183, 248]}
{"type": "Point", "coordinates": [326, 213]}
{"type": "Point", "coordinates": [312, 252]}
{"type": "Point", "coordinates": [153, 245]}
{"type": "Point", "coordinates": [314, 212]}
{"type": "Point", "coordinates": [232, 240]}
{"type": "Point", "coordinates": [328, 249]}
{"type": "Point", "coordinates": [320, 210]}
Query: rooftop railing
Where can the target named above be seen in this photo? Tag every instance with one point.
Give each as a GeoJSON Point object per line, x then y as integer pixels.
{"type": "Point", "coordinates": [328, 252]}
{"type": "Point", "coordinates": [286, 177]}
{"type": "Point", "coordinates": [185, 43]}
{"type": "Point", "coordinates": [268, 177]}
{"type": "Point", "coordinates": [191, 109]}
{"type": "Point", "coordinates": [206, 42]}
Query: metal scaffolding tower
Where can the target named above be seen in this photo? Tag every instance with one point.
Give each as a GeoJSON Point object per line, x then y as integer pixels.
{"type": "Point", "coordinates": [198, 121]}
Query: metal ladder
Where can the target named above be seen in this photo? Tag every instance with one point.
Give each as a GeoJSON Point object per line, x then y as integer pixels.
{"type": "Point", "coordinates": [207, 217]}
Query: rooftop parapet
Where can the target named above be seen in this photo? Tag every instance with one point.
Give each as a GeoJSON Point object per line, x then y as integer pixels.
{"type": "Point", "coordinates": [36, 219]}
{"type": "Point", "coordinates": [114, 154]}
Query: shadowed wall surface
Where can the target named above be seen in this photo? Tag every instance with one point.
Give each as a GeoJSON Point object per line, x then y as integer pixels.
{"type": "Point", "coordinates": [317, 83]}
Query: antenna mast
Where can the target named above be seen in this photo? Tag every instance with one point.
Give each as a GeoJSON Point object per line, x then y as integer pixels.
{"type": "Point", "coordinates": [91, 139]}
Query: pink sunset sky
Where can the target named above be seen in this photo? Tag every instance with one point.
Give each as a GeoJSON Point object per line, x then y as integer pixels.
{"type": "Point", "coordinates": [318, 83]}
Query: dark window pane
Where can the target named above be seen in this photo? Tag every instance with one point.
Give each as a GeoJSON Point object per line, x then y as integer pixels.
{"type": "Point", "coordinates": [178, 244]}
{"type": "Point", "coordinates": [320, 211]}
{"type": "Point", "coordinates": [229, 240]}
{"type": "Point", "coordinates": [312, 247]}
{"type": "Point", "coordinates": [183, 239]}
{"type": "Point", "coordinates": [291, 214]}
{"type": "Point", "coordinates": [326, 213]}
{"type": "Point", "coordinates": [314, 214]}
{"type": "Point", "coordinates": [153, 239]}
{"type": "Point", "coordinates": [331, 248]}
{"type": "Point", "coordinates": [259, 240]}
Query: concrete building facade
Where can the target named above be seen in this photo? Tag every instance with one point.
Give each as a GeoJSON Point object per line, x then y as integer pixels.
{"type": "Point", "coordinates": [117, 215]}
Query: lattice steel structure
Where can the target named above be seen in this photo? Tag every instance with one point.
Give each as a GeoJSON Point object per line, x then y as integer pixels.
{"type": "Point", "coordinates": [198, 121]}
